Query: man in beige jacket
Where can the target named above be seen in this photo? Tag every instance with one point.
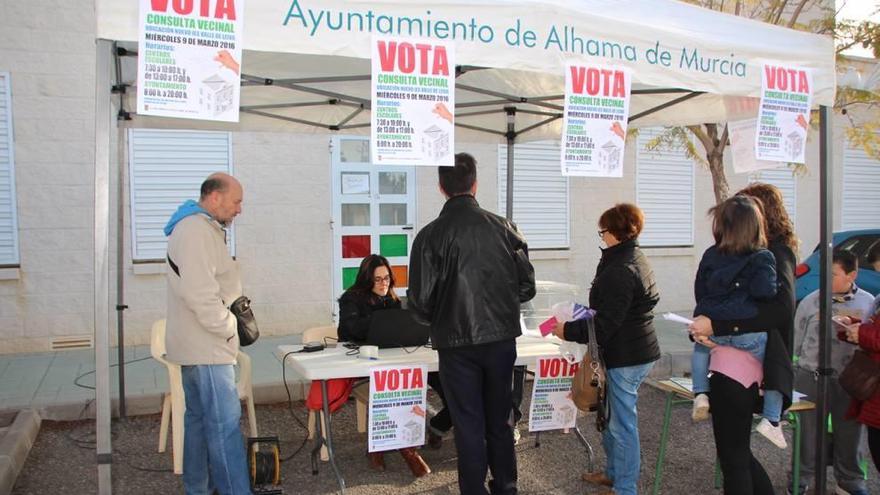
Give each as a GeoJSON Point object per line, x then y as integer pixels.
{"type": "Point", "coordinates": [201, 335]}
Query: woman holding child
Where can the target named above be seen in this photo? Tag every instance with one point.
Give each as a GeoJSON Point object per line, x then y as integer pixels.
{"type": "Point", "coordinates": [739, 374]}
{"type": "Point", "coordinates": [623, 296]}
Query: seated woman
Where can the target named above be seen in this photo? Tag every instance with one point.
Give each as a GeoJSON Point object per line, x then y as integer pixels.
{"type": "Point", "coordinates": [373, 290]}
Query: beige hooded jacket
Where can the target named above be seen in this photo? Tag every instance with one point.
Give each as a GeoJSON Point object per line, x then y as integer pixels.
{"type": "Point", "coordinates": [200, 329]}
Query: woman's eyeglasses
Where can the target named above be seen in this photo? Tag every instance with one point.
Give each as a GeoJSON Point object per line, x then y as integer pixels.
{"type": "Point", "coordinates": [379, 280]}
{"type": "Point", "coordinates": [601, 232]}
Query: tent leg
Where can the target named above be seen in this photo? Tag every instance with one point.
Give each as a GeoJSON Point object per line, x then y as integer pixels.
{"type": "Point", "coordinates": [511, 137]}
{"type": "Point", "coordinates": [103, 117]}
{"type": "Point", "coordinates": [825, 252]}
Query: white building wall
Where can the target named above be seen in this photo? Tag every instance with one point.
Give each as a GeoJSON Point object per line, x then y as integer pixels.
{"type": "Point", "coordinates": [48, 48]}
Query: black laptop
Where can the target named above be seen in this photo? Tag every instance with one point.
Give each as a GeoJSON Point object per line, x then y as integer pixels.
{"type": "Point", "coordinates": [396, 328]}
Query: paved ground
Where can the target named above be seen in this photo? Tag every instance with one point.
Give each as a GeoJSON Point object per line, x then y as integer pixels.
{"type": "Point", "coordinates": [62, 460]}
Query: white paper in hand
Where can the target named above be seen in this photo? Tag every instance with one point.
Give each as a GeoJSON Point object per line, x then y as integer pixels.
{"type": "Point", "coordinates": [677, 318]}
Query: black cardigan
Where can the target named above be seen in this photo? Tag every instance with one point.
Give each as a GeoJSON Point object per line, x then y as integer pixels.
{"type": "Point", "coordinates": [356, 311]}
{"type": "Point", "coordinates": [776, 317]}
{"type": "Point", "coordinates": [624, 295]}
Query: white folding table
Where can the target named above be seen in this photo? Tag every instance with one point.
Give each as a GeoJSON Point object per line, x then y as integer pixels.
{"type": "Point", "coordinates": [340, 362]}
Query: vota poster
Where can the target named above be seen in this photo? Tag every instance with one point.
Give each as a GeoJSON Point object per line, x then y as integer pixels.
{"type": "Point", "coordinates": [784, 115]}
{"type": "Point", "coordinates": [413, 102]}
{"type": "Point", "coordinates": [189, 59]}
{"type": "Point", "coordinates": [552, 407]}
{"type": "Point", "coordinates": [398, 407]}
{"type": "Point", "coordinates": [595, 120]}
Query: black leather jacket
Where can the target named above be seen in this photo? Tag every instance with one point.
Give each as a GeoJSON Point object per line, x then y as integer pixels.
{"type": "Point", "coordinates": [469, 271]}
{"type": "Point", "coordinates": [624, 295]}
{"type": "Point", "coordinates": [356, 311]}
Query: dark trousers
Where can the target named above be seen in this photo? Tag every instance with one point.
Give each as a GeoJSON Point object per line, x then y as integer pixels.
{"type": "Point", "coordinates": [442, 421]}
{"type": "Point", "coordinates": [477, 382]}
{"type": "Point", "coordinates": [874, 445]}
{"type": "Point", "coordinates": [519, 379]}
{"type": "Point", "coordinates": [732, 409]}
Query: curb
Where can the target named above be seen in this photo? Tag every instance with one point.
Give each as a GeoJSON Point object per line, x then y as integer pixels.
{"type": "Point", "coordinates": [15, 444]}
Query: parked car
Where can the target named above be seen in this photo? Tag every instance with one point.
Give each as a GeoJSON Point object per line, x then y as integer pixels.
{"type": "Point", "coordinates": [860, 242]}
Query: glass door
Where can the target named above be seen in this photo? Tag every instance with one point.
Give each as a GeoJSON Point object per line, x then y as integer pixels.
{"type": "Point", "coordinates": [373, 213]}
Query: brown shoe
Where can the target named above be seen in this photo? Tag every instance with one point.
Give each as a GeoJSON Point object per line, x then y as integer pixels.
{"type": "Point", "coordinates": [597, 479]}
{"type": "Point", "coordinates": [376, 460]}
{"type": "Point", "coordinates": [416, 464]}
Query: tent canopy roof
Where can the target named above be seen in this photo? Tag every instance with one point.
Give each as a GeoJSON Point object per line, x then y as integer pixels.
{"type": "Point", "coordinates": [307, 61]}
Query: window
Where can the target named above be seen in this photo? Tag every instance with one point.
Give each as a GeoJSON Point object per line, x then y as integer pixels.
{"type": "Point", "coordinates": [861, 246]}
{"type": "Point", "coordinates": [166, 168]}
{"type": "Point", "coordinates": [861, 181]}
{"type": "Point", "coordinates": [665, 192]}
{"type": "Point", "coordinates": [8, 214]}
{"type": "Point", "coordinates": [540, 194]}
{"type": "Point", "coordinates": [785, 180]}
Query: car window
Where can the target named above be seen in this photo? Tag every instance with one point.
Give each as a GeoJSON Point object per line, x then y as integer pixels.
{"type": "Point", "coordinates": [860, 246]}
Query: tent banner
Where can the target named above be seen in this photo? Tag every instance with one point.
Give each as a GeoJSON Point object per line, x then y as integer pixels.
{"type": "Point", "coordinates": [742, 146]}
{"type": "Point", "coordinates": [688, 47]}
{"type": "Point", "coordinates": [552, 407]}
{"type": "Point", "coordinates": [189, 59]}
{"type": "Point", "coordinates": [413, 100]}
{"type": "Point", "coordinates": [398, 407]}
{"type": "Point", "coordinates": [595, 120]}
{"type": "Point", "coordinates": [784, 114]}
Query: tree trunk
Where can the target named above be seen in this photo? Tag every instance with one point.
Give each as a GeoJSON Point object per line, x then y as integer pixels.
{"type": "Point", "coordinates": [714, 145]}
{"type": "Point", "coordinates": [719, 180]}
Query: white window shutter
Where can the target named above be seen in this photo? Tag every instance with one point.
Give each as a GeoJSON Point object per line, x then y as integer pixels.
{"type": "Point", "coordinates": [540, 194]}
{"type": "Point", "coordinates": [861, 184]}
{"type": "Point", "coordinates": [785, 180]}
{"type": "Point", "coordinates": [8, 213]}
{"type": "Point", "coordinates": [665, 193]}
{"type": "Point", "coordinates": [167, 167]}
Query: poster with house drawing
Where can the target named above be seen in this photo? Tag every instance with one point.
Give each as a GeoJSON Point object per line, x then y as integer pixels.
{"type": "Point", "coordinates": [784, 114]}
{"type": "Point", "coordinates": [595, 120]}
{"type": "Point", "coordinates": [397, 409]}
{"type": "Point", "coordinates": [552, 407]}
{"type": "Point", "coordinates": [189, 59]}
{"type": "Point", "coordinates": [413, 100]}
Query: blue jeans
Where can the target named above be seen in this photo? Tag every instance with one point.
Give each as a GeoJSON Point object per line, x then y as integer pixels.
{"type": "Point", "coordinates": [213, 447]}
{"type": "Point", "coordinates": [753, 343]}
{"type": "Point", "coordinates": [621, 439]}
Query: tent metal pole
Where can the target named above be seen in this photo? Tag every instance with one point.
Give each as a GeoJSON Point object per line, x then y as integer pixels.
{"type": "Point", "coordinates": [120, 241]}
{"type": "Point", "coordinates": [103, 118]}
{"type": "Point", "coordinates": [479, 129]}
{"type": "Point", "coordinates": [511, 137]}
{"type": "Point", "coordinates": [825, 255]}
{"type": "Point", "coordinates": [539, 124]}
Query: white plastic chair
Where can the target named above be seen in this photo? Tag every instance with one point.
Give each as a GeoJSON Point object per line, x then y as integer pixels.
{"type": "Point", "coordinates": [317, 334]}
{"type": "Point", "coordinates": [174, 404]}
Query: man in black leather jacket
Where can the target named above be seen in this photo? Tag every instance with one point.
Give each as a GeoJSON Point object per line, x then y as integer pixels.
{"type": "Point", "coordinates": [469, 272]}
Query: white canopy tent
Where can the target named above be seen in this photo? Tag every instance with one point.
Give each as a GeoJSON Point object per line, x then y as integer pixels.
{"type": "Point", "coordinates": [306, 68]}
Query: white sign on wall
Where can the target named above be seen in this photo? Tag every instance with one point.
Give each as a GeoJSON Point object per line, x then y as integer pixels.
{"type": "Point", "coordinates": [189, 59]}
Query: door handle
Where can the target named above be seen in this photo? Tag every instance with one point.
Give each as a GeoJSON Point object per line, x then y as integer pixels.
{"type": "Point", "coordinates": [406, 227]}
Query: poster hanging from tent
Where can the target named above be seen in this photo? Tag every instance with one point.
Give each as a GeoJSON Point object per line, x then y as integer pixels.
{"type": "Point", "coordinates": [189, 59]}
{"type": "Point", "coordinates": [413, 100]}
{"type": "Point", "coordinates": [552, 407]}
{"type": "Point", "coordinates": [397, 407]}
{"type": "Point", "coordinates": [595, 120]}
{"type": "Point", "coordinates": [742, 145]}
{"type": "Point", "coordinates": [784, 115]}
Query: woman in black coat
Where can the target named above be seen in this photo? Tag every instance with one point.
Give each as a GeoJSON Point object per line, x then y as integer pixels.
{"type": "Point", "coordinates": [623, 296]}
{"type": "Point", "coordinates": [733, 404]}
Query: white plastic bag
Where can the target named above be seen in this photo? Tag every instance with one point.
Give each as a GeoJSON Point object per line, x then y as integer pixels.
{"type": "Point", "coordinates": [572, 352]}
